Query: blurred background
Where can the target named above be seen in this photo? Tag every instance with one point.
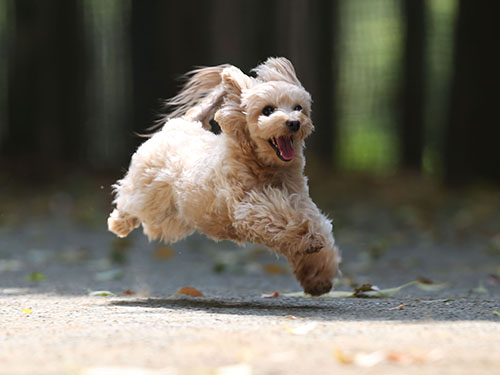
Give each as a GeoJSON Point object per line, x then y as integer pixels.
{"type": "Point", "coordinates": [397, 85]}
{"type": "Point", "coordinates": [406, 93]}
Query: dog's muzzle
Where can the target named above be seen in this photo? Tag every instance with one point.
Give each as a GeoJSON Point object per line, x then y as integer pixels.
{"type": "Point", "coordinates": [293, 125]}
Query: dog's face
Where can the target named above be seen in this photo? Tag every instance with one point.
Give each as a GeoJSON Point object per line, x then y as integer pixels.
{"type": "Point", "coordinates": [278, 120]}
{"type": "Point", "coordinates": [272, 110]}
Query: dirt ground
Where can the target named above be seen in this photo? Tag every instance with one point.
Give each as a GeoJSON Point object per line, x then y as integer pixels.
{"type": "Point", "coordinates": [55, 252]}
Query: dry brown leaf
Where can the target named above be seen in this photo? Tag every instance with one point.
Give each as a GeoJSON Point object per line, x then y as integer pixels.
{"type": "Point", "coordinates": [164, 252]}
{"type": "Point", "coordinates": [128, 292]}
{"type": "Point", "coordinates": [274, 269]}
{"type": "Point", "coordinates": [291, 317]}
{"type": "Point", "coordinates": [424, 280]}
{"type": "Point", "coordinates": [190, 291]}
{"type": "Point", "coordinates": [342, 357]}
{"type": "Point", "coordinates": [364, 288]}
{"type": "Point", "coordinates": [493, 279]}
{"type": "Point", "coordinates": [272, 295]}
{"type": "Point", "coordinates": [400, 307]}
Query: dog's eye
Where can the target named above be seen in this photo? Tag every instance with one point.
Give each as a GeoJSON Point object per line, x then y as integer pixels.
{"type": "Point", "coordinates": [268, 110]}
{"type": "Point", "coordinates": [298, 107]}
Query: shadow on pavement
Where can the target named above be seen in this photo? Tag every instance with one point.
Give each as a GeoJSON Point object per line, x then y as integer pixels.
{"type": "Point", "coordinates": [355, 309]}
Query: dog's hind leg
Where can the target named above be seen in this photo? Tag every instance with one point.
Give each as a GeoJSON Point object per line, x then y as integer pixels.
{"type": "Point", "coordinates": [171, 230]}
{"type": "Point", "coordinates": [121, 223]}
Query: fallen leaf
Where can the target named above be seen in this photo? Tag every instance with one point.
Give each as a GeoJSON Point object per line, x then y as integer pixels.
{"type": "Point", "coordinates": [493, 279]}
{"type": "Point", "coordinates": [272, 295]}
{"type": "Point", "coordinates": [370, 359]}
{"type": "Point", "coordinates": [164, 252]}
{"type": "Point", "coordinates": [10, 265]}
{"type": "Point", "coordinates": [190, 291]}
{"type": "Point", "coordinates": [274, 269]}
{"type": "Point", "coordinates": [369, 291]}
{"type": "Point", "coordinates": [480, 289]}
{"type": "Point", "coordinates": [430, 286]}
{"type": "Point", "coordinates": [400, 307]}
{"type": "Point", "coordinates": [101, 293]}
{"type": "Point", "coordinates": [291, 317]}
{"type": "Point", "coordinates": [365, 288]}
{"type": "Point", "coordinates": [36, 276]}
{"type": "Point", "coordinates": [27, 311]}
{"type": "Point", "coordinates": [400, 358]}
{"type": "Point", "coordinates": [332, 294]}
{"type": "Point", "coordinates": [338, 294]}
{"type": "Point", "coordinates": [424, 280]}
{"type": "Point", "coordinates": [219, 267]}
{"type": "Point", "coordinates": [495, 312]}
{"type": "Point", "coordinates": [342, 357]}
{"type": "Point", "coordinates": [128, 292]}
{"type": "Point", "coordinates": [375, 292]}
{"type": "Point", "coordinates": [302, 329]}
{"type": "Point", "coordinates": [435, 300]}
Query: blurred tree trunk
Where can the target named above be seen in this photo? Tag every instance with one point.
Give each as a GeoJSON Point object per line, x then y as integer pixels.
{"type": "Point", "coordinates": [168, 39]}
{"type": "Point", "coordinates": [324, 21]}
{"type": "Point", "coordinates": [473, 131]}
{"type": "Point", "coordinates": [46, 82]}
{"type": "Point", "coordinates": [411, 130]}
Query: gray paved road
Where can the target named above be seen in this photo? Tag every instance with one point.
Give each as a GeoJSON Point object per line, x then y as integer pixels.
{"type": "Point", "coordinates": [49, 261]}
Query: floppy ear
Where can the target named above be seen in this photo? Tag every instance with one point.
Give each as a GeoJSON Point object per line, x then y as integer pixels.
{"type": "Point", "coordinates": [231, 116]}
{"type": "Point", "coordinates": [277, 69]}
{"type": "Point", "coordinates": [234, 80]}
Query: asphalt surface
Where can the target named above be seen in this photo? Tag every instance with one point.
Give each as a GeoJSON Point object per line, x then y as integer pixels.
{"type": "Point", "coordinates": [55, 251]}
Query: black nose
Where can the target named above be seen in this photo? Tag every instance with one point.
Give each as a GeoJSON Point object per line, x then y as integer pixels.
{"type": "Point", "coordinates": [293, 125]}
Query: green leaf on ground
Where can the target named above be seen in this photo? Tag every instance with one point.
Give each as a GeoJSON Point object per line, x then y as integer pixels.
{"type": "Point", "coordinates": [101, 293]}
{"type": "Point", "coordinates": [36, 276]}
{"type": "Point", "coordinates": [480, 289]}
{"type": "Point", "coordinates": [428, 285]}
{"type": "Point", "coordinates": [374, 292]}
{"type": "Point", "coordinates": [371, 291]}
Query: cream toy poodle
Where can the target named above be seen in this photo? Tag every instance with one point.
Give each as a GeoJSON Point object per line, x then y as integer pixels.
{"type": "Point", "coordinates": [245, 184]}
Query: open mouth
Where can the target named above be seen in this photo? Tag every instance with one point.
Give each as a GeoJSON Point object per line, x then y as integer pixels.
{"type": "Point", "coordinates": [283, 146]}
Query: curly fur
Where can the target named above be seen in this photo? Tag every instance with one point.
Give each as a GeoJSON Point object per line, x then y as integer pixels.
{"type": "Point", "coordinates": [235, 185]}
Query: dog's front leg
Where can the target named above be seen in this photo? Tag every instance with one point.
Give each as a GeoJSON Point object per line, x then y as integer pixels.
{"type": "Point", "coordinates": [293, 226]}
{"type": "Point", "coordinates": [288, 223]}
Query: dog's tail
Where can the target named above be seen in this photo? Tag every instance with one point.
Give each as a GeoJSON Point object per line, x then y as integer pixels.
{"type": "Point", "coordinates": [200, 97]}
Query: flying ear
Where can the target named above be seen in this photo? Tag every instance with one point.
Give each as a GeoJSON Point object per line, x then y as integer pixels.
{"type": "Point", "coordinates": [234, 80]}
{"type": "Point", "coordinates": [277, 69]}
{"type": "Point", "coordinates": [231, 116]}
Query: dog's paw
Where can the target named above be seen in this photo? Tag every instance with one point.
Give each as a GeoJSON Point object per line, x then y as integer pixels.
{"type": "Point", "coordinates": [315, 271]}
{"type": "Point", "coordinates": [318, 287]}
{"type": "Point", "coordinates": [120, 224]}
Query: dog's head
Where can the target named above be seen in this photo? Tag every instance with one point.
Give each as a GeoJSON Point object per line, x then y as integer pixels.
{"type": "Point", "coordinates": [269, 113]}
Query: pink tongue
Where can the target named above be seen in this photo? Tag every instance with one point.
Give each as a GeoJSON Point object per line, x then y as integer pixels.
{"type": "Point", "coordinates": [286, 148]}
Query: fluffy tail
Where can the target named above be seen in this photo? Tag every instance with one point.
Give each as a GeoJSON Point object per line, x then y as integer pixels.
{"type": "Point", "coordinates": [200, 97]}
